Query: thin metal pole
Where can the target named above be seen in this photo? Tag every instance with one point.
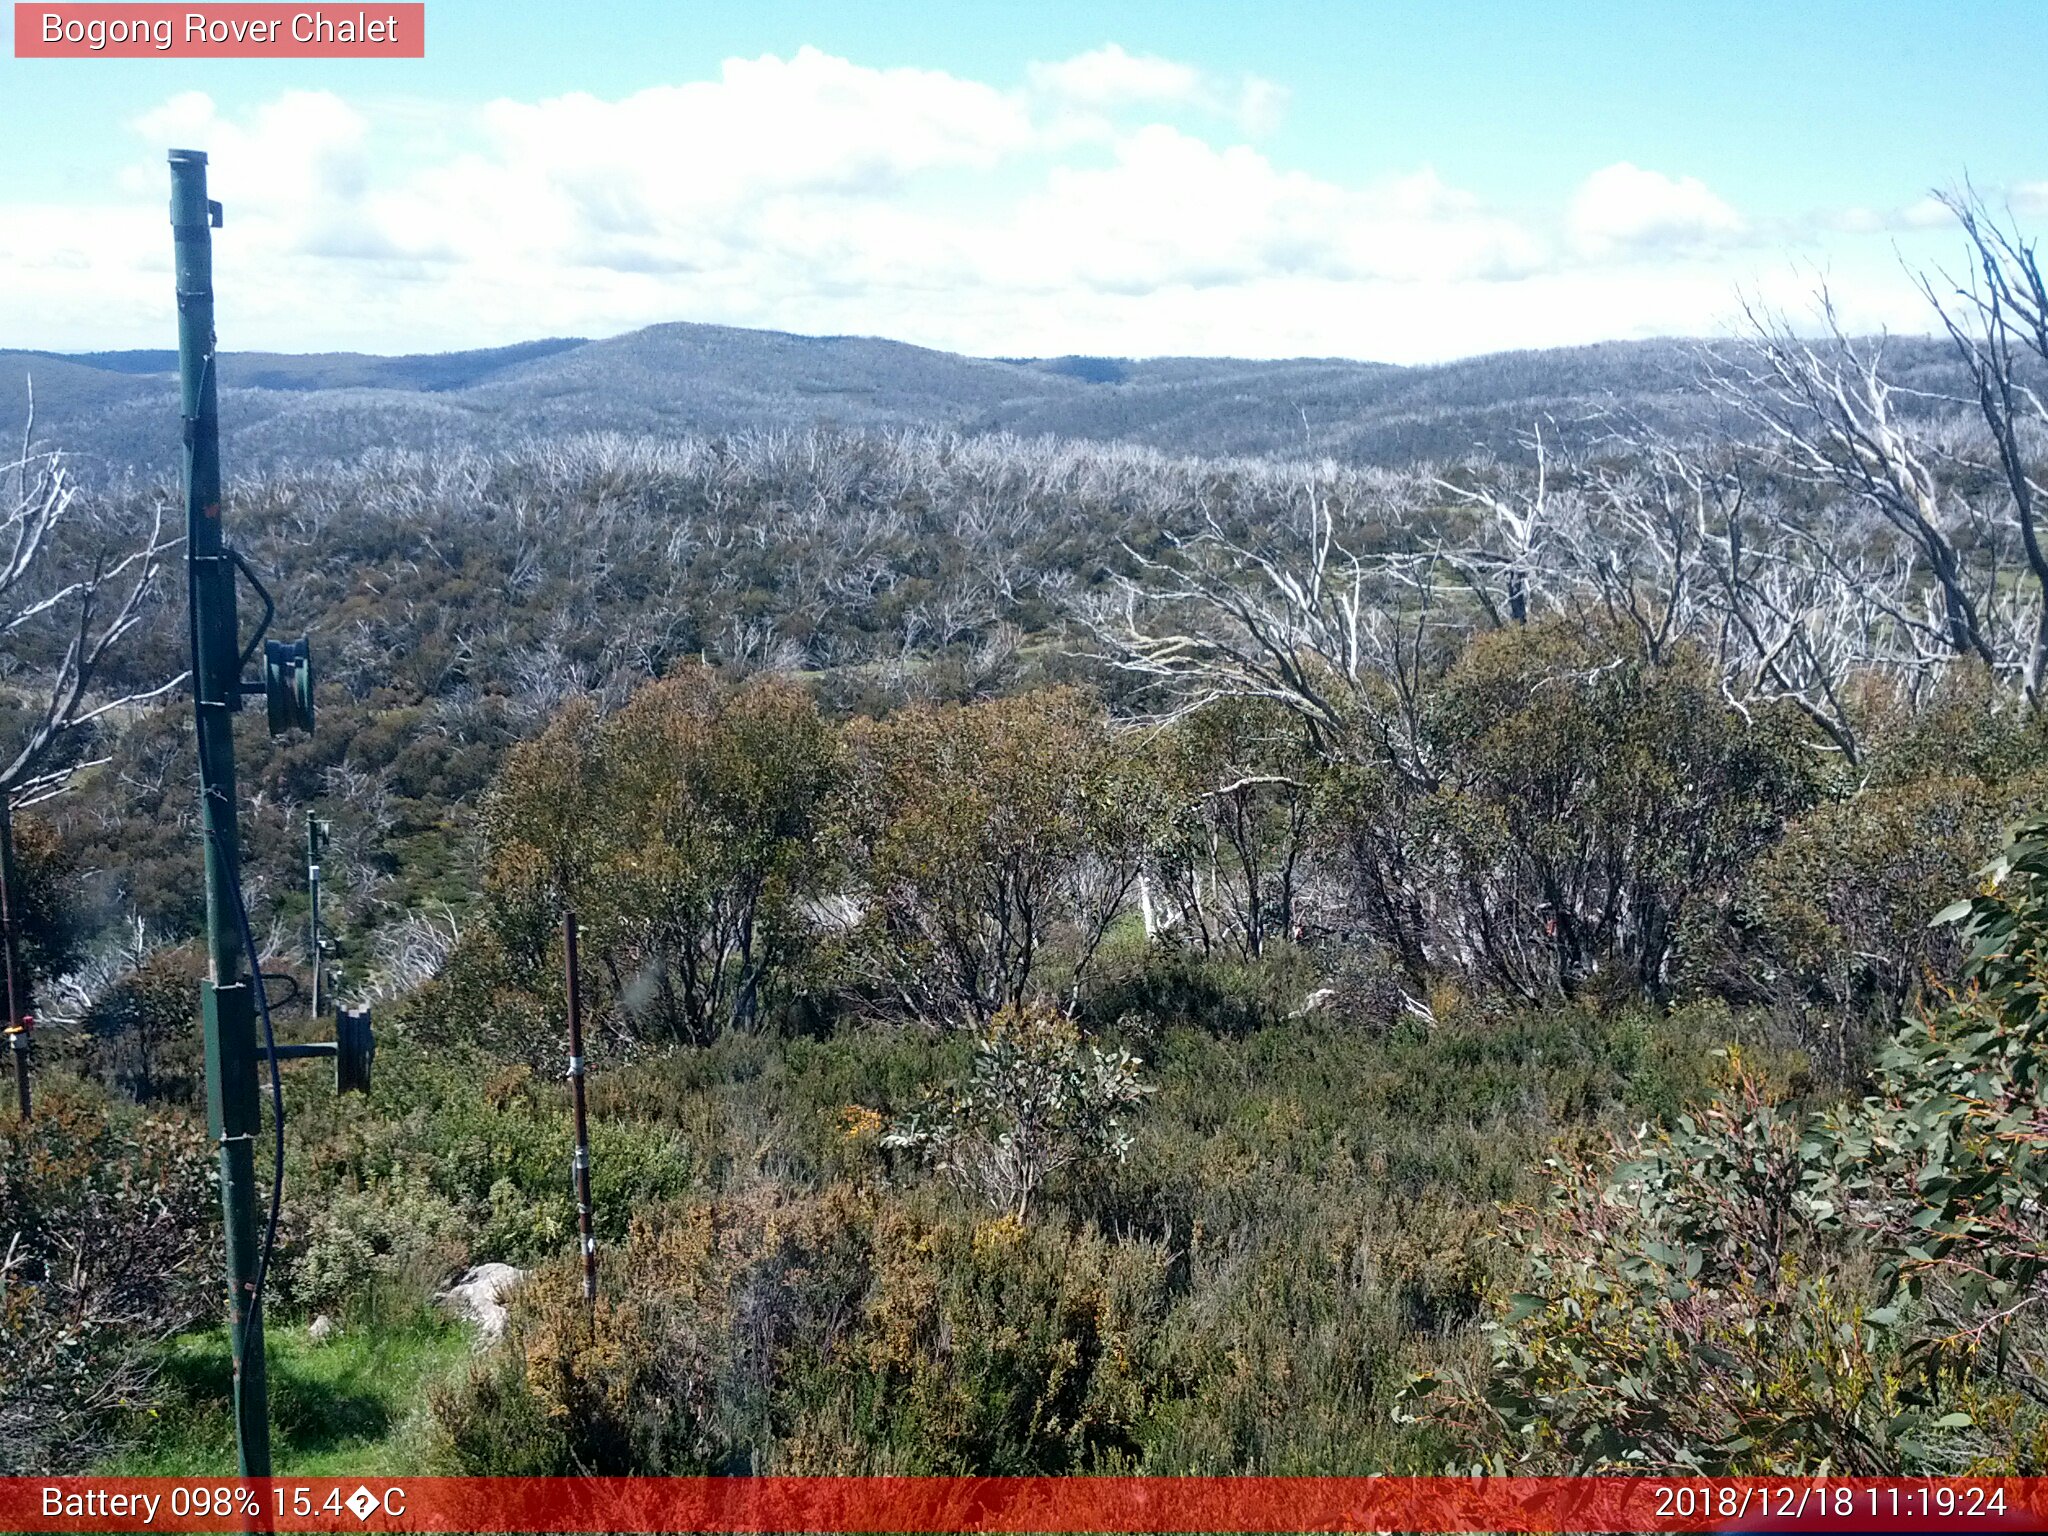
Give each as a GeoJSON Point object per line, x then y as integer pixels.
{"type": "Point", "coordinates": [581, 1162]}
{"type": "Point", "coordinates": [227, 998]}
{"type": "Point", "coordinates": [313, 841]}
{"type": "Point", "coordinates": [17, 978]}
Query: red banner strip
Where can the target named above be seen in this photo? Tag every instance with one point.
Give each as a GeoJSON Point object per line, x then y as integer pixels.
{"type": "Point", "coordinates": [1023, 1504]}
{"type": "Point", "coordinates": [371, 30]}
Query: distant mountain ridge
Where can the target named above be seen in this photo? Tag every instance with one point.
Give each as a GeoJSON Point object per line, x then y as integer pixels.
{"type": "Point", "coordinates": [116, 411]}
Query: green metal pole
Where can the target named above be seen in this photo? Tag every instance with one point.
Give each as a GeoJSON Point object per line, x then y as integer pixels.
{"type": "Point", "coordinates": [226, 998]}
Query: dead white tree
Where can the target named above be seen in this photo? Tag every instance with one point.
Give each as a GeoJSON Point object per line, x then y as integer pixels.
{"type": "Point", "coordinates": [1517, 519]}
{"type": "Point", "coordinates": [1310, 618]}
{"type": "Point", "coordinates": [411, 952]}
{"type": "Point", "coordinates": [73, 584]}
{"type": "Point", "coordinates": [1998, 321]}
{"type": "Point", "coordinates": [1829, 416]}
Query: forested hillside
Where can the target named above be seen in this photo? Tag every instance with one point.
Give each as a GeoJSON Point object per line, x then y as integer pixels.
{"type": "Point", "coordinates": [1098, 958]}
{"type": "Point", "coordinates": [116, 411]}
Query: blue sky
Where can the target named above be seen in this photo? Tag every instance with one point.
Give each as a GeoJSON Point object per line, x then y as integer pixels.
{"type": "Point", "coordinates": [1402, 181]}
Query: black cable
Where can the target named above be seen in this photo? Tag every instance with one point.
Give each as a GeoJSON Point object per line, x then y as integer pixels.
{"type": "Point", "coordinates": [276, 1093]}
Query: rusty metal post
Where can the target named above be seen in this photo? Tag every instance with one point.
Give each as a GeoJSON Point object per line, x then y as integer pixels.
{"type": "Point", "coordinates": [316, 842]}
{"type": "Point", "coordinates": [581, 1162]}
{"type": "Point", "coordinates": [18, 1016]}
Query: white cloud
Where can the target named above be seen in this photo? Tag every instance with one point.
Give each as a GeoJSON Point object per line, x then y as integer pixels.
{"type": "Point", "coordinates": [1622, 208]}
{"type": "Point", "coordinates": [1261, 104]}
{"type": "Point", "coordinates": [1928, 212]}
{"type": "Point", "coordinates": [1110, 77]}
{"type": "Point", "coordinates": [1089, 93]}
{"type": "Point", "coordinates": [812, 193]}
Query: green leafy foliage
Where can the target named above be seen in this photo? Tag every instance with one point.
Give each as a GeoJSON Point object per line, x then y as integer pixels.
{"type": "Point", "coordinates": [812, 1334]}
{"type": "Point", "coordinates": [47, 923]}
{"type": "Point", "coordinates": [1587, 812]}
{"type": "Point", "coordinates": [682, 831]}
{"type": "Point", "coordinates": [991, 844]}
{"type": "Point", "coordinates": [1768, 1287]}
{"type": "Point", "coordinates": [141, 1032]}
{"type": "Point", "coordinates": [1036, 1100]}
{"type": "Point", "coordinates": [1948, 1161]}
{"type": "Point", "coordinates": [393, 1238]}
{"type": "Point", "coordinates": [1234, 850]}
{"type": "Point", "coordinates": [1677, 1314]}
{"type": "Point", "coordinates": [857, 841]}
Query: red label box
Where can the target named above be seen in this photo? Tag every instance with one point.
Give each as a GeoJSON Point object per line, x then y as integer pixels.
{"type": "Point", "coordinates": [366, 29]}
{"type": "Point", "coordinates": [751, 1506]}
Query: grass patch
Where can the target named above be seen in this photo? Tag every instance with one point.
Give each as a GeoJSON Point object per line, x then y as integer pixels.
{"type": "Point", "coordinates": [352, 1405]}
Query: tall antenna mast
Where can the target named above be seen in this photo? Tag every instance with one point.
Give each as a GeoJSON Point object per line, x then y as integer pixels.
{"type": "Point", "coordinates": [232, 996]}
{"type": "Point", "coordinates": [233, 1113]}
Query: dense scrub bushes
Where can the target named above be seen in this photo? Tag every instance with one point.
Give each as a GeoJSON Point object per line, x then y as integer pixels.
{"type": "Point", "coordinates": [821, 1333]}
{"type": "Point", "coordinates": [1300, 1221]}
{"type": "Point", "coordinates": [105, 1215]}
{"type": "Point", "coordinates": [457, 1158]}
{"type": "Point", "coordinates": [1835, 917]}
{"type": "Point", "coordinates": [980, 835]}
{"type": "Point", "coordinates": [1683, 1311]}
{"type": "Point", "coordinates": [1769, 1287]}
{"type": "Point", "coordinates": [137, 1031]}
{"type": "Point", "coordinates": [47, 932]}
{"type": "Point", "coordinates": [734, 860]}
{"type": "Point", "coordinates": [870, 954]}
{"type": "Point", "coordinates": [1591, 820]}
{"type": "Point", "coordinates": [1566, 808]}
{"type": "Point", "coordinates": [1034, 1101]}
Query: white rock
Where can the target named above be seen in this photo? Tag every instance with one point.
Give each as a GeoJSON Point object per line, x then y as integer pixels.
{"type": "Point", "coordinates": [1318, 999]}
{"type": "Point", "coordinates": [321, 1329]}
{"type": "Point", "coordinates": [479, 1297]}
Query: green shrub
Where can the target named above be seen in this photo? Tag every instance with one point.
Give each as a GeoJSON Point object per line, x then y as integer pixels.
{"type": "Point", "coordinates": [684, 831]}
{"type": "Point", "coordinates": [1036, 1100]}
{"type": "Point", "coordinates": [826, 1333]}
{"type": "Point", "coordinates": [49, 931]}
{"type": "Point", "coordinates": [1237, 829]}
{"type": "Point", "coordinates": [986, 1347]}
{"type": "Point", "coordinates": [1947, 1163]}
{"type": "Point", "coordinates": [391, 1240]}
{"type": "Point", "coordinates": [1684, 1309]}
{"type": "Point", "coordinates": [489, 1141]}
{"type": "Point", "coordinates": [1153, 986]}
{"type": "Point", "coordinates": [141, 1034]}
{"type": "Point", "coordinates": [673, 1370]}
{"type": "Point", "coordinates": [994, 846]}
{"type": "Point", "coordinates": [1762, 1289]}
{"type": "Point", "coordinates": [1836, 917]}
{"type": "Point", "coordinates": [1585, 811]}
{"type": "Point", "coordinates": [489, 1000]}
